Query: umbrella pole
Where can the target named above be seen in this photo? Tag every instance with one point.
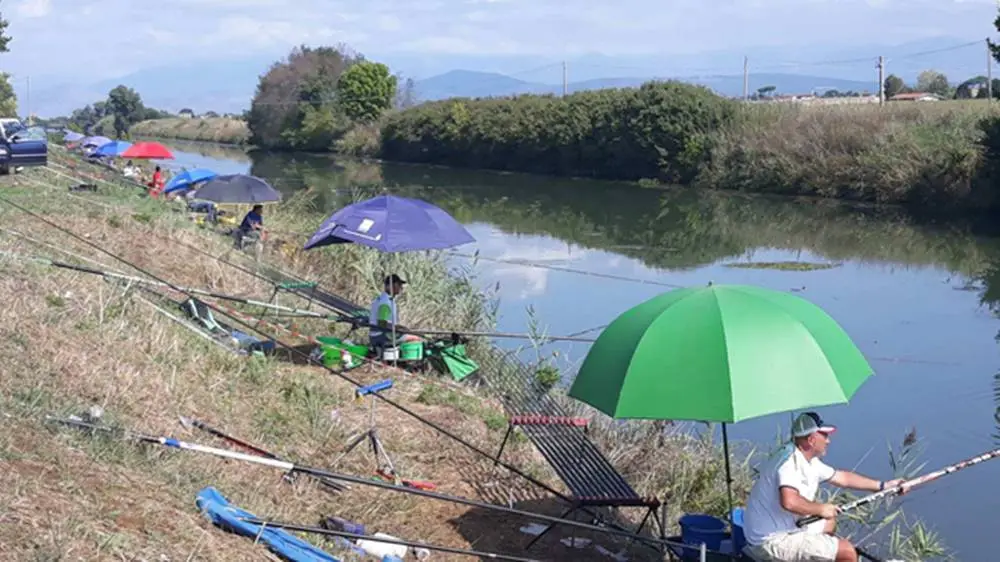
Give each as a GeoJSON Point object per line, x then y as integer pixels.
{"type": "Point", "coordinates": [729, 474]}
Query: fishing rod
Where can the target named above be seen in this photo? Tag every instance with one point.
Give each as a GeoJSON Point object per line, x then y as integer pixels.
{"type": "Point", "coordinates": [180, 289]}
{"type": "Point", "coordinates": [524, 263]}
{"type": "Point", "coordinates": [907, 485]}
{"type": "Point", "coordinates": [290, 312]}
{"type": "Point", "coordinates": [499, 335]}
{"type": "Point", "coordinates": [387, 540]}
{"type": "Point", "coordinates": [359, 323]}
{"type": "Point", "coordinates": [436, 427]}
{"type": "Point", "coordinates": [191, 422]}
{"type": "Point", "coordinates": [288, 466]}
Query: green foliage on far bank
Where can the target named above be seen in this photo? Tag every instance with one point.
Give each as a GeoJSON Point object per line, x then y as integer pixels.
{"type": "Point", "coordinates": [315, 96]}
{"type": "Point", "coordinates": [662, 130]}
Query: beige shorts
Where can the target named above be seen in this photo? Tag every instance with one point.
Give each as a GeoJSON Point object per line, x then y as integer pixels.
{"type": "Point", "coordinates": [808, 545]}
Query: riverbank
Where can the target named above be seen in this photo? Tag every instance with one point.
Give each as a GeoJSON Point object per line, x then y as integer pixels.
{"type": "Point", "coordinates": [926, 156]}
{"type": "Point", "coordinates": [221, 130]}
{"type": "Point", "coordinates": [144, 370]}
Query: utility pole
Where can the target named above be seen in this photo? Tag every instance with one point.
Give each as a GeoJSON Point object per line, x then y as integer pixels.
{"type": "Point", "coordinates": [28, 101]}
{"type": "Point", "coordinates": [881, 80]}
{"type": "Point", "coordinates": [565, 81]}
{"type": "Point", "coordinates": [746, 78]}
{"type": "Point", "coordinates": [989, 72]}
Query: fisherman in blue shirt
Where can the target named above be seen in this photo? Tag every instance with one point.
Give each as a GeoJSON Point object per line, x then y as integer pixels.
{"type": "Point", "coordinates": [252, 227]}
{"type": "Point", "coordinates": [254, 220]}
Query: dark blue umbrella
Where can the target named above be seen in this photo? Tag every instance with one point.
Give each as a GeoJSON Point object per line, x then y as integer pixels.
{"type": "Point", "coordinates": [113, 148]}
{"type": "Point", "coordinates": [188, 178]}
{"type": "Point", "coordinates": [392, 224]}
{"type": "Point", "coordinates": [237, 188]}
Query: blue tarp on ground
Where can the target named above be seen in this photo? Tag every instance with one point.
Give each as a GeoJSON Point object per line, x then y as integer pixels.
{"type": "Point", "coordinates": [228, 517]}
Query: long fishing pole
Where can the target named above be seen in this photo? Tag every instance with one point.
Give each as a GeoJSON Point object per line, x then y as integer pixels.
{"type": "Point", "coordinates": [191, 422]}
{"type": "Point", "coordinates": [451, 435]}
{"type": "Point", "coordinates": [907, 485]}
{"type": "Point", "coordinates": [291, 312]}
{"type": "Point", "coordinates": [401, 542]}
{"type": "Point", "coordinates": [567, 270]}
{"type": "Point", "coordinates": [288, 466]}
{"type": "Point", "coordinates": [498, 335]}
{"type": "Point", "coordinates": [203, 292]}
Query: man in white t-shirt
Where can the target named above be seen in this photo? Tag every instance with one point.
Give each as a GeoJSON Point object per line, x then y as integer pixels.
{"type": "Point", "coordinates": [383, 314]}
{"type": "Point", "coordinates": [786, 491]}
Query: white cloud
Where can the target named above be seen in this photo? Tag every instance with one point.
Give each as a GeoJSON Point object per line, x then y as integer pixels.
{"type": "Point", "coordinates": [389, 23]}
{"type": "Point", "coordinates": [33, 8]}
{"type": "Point", "coordinates": [134, 35]}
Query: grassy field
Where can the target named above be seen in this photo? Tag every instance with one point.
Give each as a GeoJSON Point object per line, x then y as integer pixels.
{"type": "Point", "coordinates": [223, 130]}
{"type": "Point", "coordinates": [73, 341]}
{"type": "Point", "coordinates": [922, 154]}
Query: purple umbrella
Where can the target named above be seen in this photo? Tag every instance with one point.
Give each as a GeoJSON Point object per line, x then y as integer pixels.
{"type": "Point", "coordinates": [96, 141]}
{"type": "Point", "coordinates": [391, 224]}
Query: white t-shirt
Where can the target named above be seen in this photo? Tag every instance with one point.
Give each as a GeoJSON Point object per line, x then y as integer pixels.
{"type": "Point", "coordinates": [382, 300]}
{"type": "Point", "coordinates": [764, 515]}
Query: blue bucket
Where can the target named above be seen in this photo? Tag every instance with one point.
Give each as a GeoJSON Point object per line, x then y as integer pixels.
{"type": "Point", "coordinates": [739, 539]}
{"type": "Point", "coordinates": [698, 528]}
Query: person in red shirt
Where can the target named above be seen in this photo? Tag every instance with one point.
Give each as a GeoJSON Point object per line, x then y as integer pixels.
{"type": "Point", "coordinates": [156, 184]}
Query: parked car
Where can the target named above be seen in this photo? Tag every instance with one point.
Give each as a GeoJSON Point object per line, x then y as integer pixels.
{"type": "Point", "coordinates": [21, 146]}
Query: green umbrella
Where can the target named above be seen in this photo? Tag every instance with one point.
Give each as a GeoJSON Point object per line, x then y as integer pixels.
{"type": "Point", "coordinates": [722, 353]}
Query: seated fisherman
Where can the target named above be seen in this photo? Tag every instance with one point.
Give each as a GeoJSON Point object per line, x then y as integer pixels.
{"type": "Point", "coordinates": [131, 170]}
{"type": "Point", "coordinates": [252, 227]}
{"type": "Point", "coordinates": [786, 490]}
{"type": "Point", "coordinates": [384, 315]}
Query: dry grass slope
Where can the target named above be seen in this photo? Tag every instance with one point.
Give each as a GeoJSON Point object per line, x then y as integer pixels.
{"type": "Point", "coordinates": [74, 340]}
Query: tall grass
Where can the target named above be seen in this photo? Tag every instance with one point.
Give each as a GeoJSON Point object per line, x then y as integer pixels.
{"type": "Point", "coordinates": [225, 130]}
{"type": "Point", "coordinates": [919, 154]}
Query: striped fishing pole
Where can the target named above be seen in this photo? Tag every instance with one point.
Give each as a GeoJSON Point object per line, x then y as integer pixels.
{"type": "Point", "coordinates": [907, 485]}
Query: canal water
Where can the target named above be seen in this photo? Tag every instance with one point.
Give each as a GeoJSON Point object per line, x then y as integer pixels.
{"type": "Point", "coordinates": [916, 299]}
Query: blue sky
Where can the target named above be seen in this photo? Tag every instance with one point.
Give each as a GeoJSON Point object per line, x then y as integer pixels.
{"type": "Point", "coordinates": [108, 38]}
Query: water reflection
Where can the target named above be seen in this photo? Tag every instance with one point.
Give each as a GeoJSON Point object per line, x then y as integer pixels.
{"type": "Point", "coordinates": [669, 229]}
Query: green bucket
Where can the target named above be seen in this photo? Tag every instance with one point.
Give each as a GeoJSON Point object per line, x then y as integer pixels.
{"type": "Point", "coordinates": [411, 351]}
{"type": "Point", "coordinates": [333, 348]}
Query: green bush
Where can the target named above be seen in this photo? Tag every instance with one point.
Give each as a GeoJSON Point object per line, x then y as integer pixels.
{"type": "Point", "coordinates": [661, 130]}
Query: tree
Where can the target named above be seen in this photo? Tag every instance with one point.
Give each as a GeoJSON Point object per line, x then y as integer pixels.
{"type": "Point", "coordinates": [4, 38]}
{"type": "Point", "coordinates": [974, 87]}
{"type": "Point", "coordinates": [407, 95]}
{"type": "Point", "coordinates": [125, 105]}
{"type": "Point", "coordinates": [933, 82]}
{"type": "Point", "coordinates": [365, 90]}
{"type": "Point", "coordinates": [300, 90]}
{"type": "Point", "coordinates": [8, 99]}
{"type": "Point", "coordinates": [893, 85]}
{"type": "Point", "coordinates": [995, 48]}
{"type": "Point", "coordinates": [766, 90]}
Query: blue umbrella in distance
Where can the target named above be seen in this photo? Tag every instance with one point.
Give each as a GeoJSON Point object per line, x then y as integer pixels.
{"type": "Point", "coordinates": [188, 178]}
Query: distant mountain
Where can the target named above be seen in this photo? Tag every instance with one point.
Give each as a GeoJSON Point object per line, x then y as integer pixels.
{"type": "Point", "coordinates": [465, 83]}
{"type": "Point", "coordinates": [221, 86]}
{"type": "Point", "coordinates": [227, 86]}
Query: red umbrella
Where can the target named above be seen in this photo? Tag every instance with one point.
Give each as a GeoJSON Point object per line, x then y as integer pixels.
{"type": "Point", "coordinates": [152, 150]}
